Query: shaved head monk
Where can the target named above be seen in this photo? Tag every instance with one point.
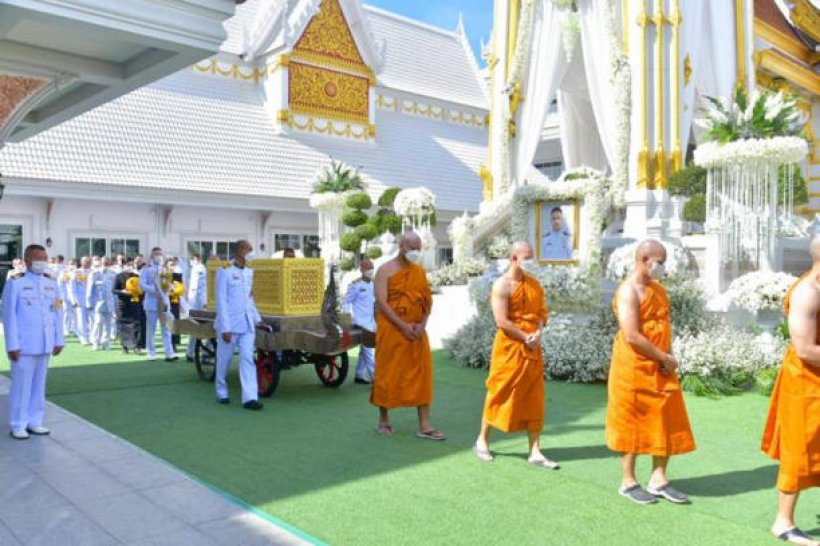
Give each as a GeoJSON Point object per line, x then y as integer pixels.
{"type": "Point", "coordinates": [404, 365]}
{"type": "Point", "coordinates": [645, 413]}
{"type": "Point", "coordinates": [792, 433]}
{"type": "Point", "coordinates": [515, 386]}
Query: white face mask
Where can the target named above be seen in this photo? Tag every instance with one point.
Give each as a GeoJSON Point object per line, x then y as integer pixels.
{"type": "Point", "coordinates": [158, 259]}
{"type": "Point", "coordinates": [370, 273]}
{"type": "Point", "coordinates": [39, 268]}
{"type": "Point", "coordinates": [657, 271]}
{"type": "Point", "coordinates": [250, 256]}
{"type": "Point", "coordinates": [413, 256]}
{"type": "Point", "coordinates": [529, 266]}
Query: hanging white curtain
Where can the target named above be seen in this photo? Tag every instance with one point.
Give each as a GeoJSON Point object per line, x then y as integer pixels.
{"type": "Point", "coordinates": [694, 32]}
{"type": "Point", "coordinates": [544, 72]}
{"type": "Point", "coordinates": [597, 47]}
{"type": "Point", "coordinates": [580, 142]}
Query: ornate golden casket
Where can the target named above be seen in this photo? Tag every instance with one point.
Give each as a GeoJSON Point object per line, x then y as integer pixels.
{"type": "Point", "coordinates": [283, 287]}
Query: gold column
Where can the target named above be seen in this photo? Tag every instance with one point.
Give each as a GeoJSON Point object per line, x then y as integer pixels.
{"type": "Point", "coordinates": [513, 15]}
{"type": "Point", "coordinates": [643, 154]}
{"type": "Point", "coordinates": [659, 178]}
{"type": "Point", "coordinates": [676, 19]}
{"type": "Point", "coordinates": [740, 37]}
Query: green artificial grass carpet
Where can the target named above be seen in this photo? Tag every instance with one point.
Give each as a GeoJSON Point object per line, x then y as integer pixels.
{"type": "Point", "coordinates": [313, 459]}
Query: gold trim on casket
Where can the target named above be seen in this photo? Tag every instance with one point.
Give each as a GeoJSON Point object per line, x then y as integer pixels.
{"type": "Point", "coordinates": [283, 287]}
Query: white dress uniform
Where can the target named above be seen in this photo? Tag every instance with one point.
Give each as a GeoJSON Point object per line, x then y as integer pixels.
{"type": "Point", "coordinates": [556, 245]}
{"type": "Point", "coordinates": [33, 323]}
{"type": "Point", "coordinates": [102, 301]}
{"type": "Point", "coordinates": [236, 313]}
{"type": "Point", "coordinates": [197, 296]}
{"type": "Point", "coordinates": [78, 294]}
{"type": "Point", "coordinates": [360, 301]}
{"type": "Point", "coordinates": [155, 302]}
{"type": "Point", "coordinates": [64, 288]}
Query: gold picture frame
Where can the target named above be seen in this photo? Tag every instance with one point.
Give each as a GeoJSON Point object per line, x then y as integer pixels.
{"type": "Point", "coordinates": [538, 244]}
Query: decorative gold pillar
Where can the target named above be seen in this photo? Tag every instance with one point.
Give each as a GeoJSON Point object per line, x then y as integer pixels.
{"type": "Point", "coordinates": [513, 15]}
{"type": "Point", "coordinates": [740, 37]}
{"type": "Point", "coordinates": [676, 19]}
{"type": "Point", "coordinates": [659, 158]}
{"type": "Point", "coordinates": [625, 24]}
{"type": "Point", "coordinates": [643, 155]}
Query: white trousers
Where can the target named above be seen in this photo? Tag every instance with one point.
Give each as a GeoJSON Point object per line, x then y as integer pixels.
{"type": "Point", "coordinates": [246, 343]}
{"type": "Point", "coordinates": [69, 321]}
{"type": "Point", "coordinates": [101, 331]}
{"type": "Point", "coordinates": [27, 395]}
{"type": "Point", "coordinates": [366, 368]}
{"type": "Point", "coordinates": [151, 319]}
{"type": "Point", "coordinates": [82, 323]}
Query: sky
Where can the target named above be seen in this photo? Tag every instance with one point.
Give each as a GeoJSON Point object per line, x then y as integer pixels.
{"type": "Point", "coordinates": [478, 15]}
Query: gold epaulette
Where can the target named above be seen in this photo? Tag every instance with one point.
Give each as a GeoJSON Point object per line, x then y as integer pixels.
{"type": "Point", "coordinates": [17, 275]}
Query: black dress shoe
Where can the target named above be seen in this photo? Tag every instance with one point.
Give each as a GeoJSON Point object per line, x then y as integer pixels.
{"type": "Point", "coordinates": [360, 381]}
{"type": "Point", "coordinates": [172, 359]}
{"type": "Point", "coordinates": [254, 405]}
{"type": "Point", "coordinates": [224, 400]}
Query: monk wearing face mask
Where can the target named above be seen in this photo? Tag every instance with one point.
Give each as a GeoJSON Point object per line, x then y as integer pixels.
{"type": "Point", "coordinates": [646, 414]}
{"type": "Point", "coordinates": [404, 365]}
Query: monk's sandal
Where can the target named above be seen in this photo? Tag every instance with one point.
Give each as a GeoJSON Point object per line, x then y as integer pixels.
{"type": "Point", "coordinates": [668, 492]}
{"type": "Point", "coordinates": [795, 536]}
{"type": "Point", "coordinates": [637, 494]}
{"type": "Point", "coordinates": [483, 454]}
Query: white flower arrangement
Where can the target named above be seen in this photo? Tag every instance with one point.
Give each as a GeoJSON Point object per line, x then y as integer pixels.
{"type": "Point", "coordinates": [330, 201]}
{"type": "Point", "coordinates": [724, 350]}
{"type": "Point", "coordinates": [414, 202]}
{"type": "Point", "coordinates": [767, 151]}
{"type": "Point", "coordinates": [621, 262]}
{"type": "Point", "coordinates": [794, 226]}
{"type": "Point", "coordinates": [760, 290]}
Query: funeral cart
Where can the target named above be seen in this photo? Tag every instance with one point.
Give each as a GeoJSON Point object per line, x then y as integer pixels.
{"type": "Point", "coordinates": [300, 324]}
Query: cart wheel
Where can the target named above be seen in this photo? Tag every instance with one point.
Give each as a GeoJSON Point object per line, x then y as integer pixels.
{"type": "Point", "coordinates": [331, 369]}
{"type": "Point", "coordinates": [205, 358]}
{"type": "Point", "coordinates": [267, 373]}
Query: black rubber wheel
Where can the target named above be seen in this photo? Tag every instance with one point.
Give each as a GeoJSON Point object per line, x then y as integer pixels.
{"type": "Point", "coordinates": [331, 369]}
{"type": "Point", "coordinates": [268, 370]}
{"type": "Point", "coordinates": [205, 358]}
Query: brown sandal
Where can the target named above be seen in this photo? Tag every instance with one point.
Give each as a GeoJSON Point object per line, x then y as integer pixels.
{"type": "Point", "coordinates": [432, 434]}
{"type": "Point", "coordinates": [385, 430]}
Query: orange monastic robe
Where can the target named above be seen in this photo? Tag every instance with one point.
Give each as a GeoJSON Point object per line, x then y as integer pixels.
{"type": "Point", "coordinates": [645, 413]}
{"type": "Point", "coordinates": [404, 368]}
{"type": "Point", "coordinates": [515, 387]}
{"type": "Point", "coordinates": [792, 433]}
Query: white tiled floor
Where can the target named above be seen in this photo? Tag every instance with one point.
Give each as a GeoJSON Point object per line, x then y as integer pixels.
{"type": "Point", "coordinates": [82, 486]}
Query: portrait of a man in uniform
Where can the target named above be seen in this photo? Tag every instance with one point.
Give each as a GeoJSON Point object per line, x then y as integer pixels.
{"type": "Point", "coordinates": [556, 234]}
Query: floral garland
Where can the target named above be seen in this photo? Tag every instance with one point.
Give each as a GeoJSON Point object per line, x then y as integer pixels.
{"type": "Point", "coordinates": [622, 84]}
{"type": "Point", "coordinates": [621, 262]}
{"type": "Point", "coordinates": [776, 150]}
{"type": "Point", "coordinates": [760, 290]}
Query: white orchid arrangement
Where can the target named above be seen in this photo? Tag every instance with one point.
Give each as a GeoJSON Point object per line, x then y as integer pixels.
{"type": "Point", "coordinates": [763, 151]}
{"type": "Point", "coordinates": [760, 290]}
{"type": "Point", "coordinates": [759, 116]}
{"type": "Point", "coordinates": [621, 262]}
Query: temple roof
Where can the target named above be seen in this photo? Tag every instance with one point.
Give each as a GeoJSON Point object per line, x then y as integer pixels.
{"type": "Point", "coordinates": [203, 133]}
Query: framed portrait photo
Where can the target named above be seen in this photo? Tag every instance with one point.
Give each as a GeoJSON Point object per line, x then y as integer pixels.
{"type": "Point", "coordinates": [557, 226]}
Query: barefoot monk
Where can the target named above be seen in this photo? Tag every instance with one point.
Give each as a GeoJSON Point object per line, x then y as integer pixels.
{"type": "Point", "coordinates": [792, 433]}
{"type": "Point", "coordinates": [515, 386]}
{"type": "Point", "coordinates": [404, 365]}
{"type": "Point", "coordinates": [646, 414]}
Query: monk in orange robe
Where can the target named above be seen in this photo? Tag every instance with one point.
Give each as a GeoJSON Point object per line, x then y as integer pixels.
{"type": "Point", "coordinates": [646, 414]}
{"type": "Point", "coordinates": [515, 386]}
{"type": "Point", "coordinates": [792, 433]}
{"type": "Point", "coordinates": [404, 365]}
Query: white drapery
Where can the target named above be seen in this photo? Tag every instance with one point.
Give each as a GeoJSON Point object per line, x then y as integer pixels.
{"type": "Point", "coordinates": [546, 67]}
{"type": "Point", "coordinates": [580, 142]}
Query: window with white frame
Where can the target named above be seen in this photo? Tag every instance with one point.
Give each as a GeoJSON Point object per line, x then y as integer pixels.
{"type": "Point", "coordinates": [224, 250]}
{"type": "Point", "coordinates": [308, 244]}
{"type": "Point", "coordinates": [105, 246]}
{"type": "Point", "coordinates": [444, 256]}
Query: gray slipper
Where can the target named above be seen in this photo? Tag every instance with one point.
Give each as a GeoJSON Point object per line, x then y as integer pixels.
{"type": "Point", "coordinates": [637, 494]}
{"type": "Point", "coordinates": [544, 463]}
{"type": "Point", "coordinates": [668, 492]}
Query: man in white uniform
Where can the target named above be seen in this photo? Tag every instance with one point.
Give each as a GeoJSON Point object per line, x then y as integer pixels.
{"type": "Point", "coordinates": [360, 301]}
{"type": "Point", "coordinates": [197, 295]}
{"type": "Point", "coordinates": [78, 294]}
{"type": "Point", "coordinates": [102, 302]}
{"type": "Point", "coordinates": [33, 323]}
{"type": "Point", "coordinates": [157, 305]}
{"type": "Point", "coordinates": [236, 320]}
{"type": "Point", "coordinates": [556, 243]}
{"type": "Point", "coordinates": [64, 287]}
